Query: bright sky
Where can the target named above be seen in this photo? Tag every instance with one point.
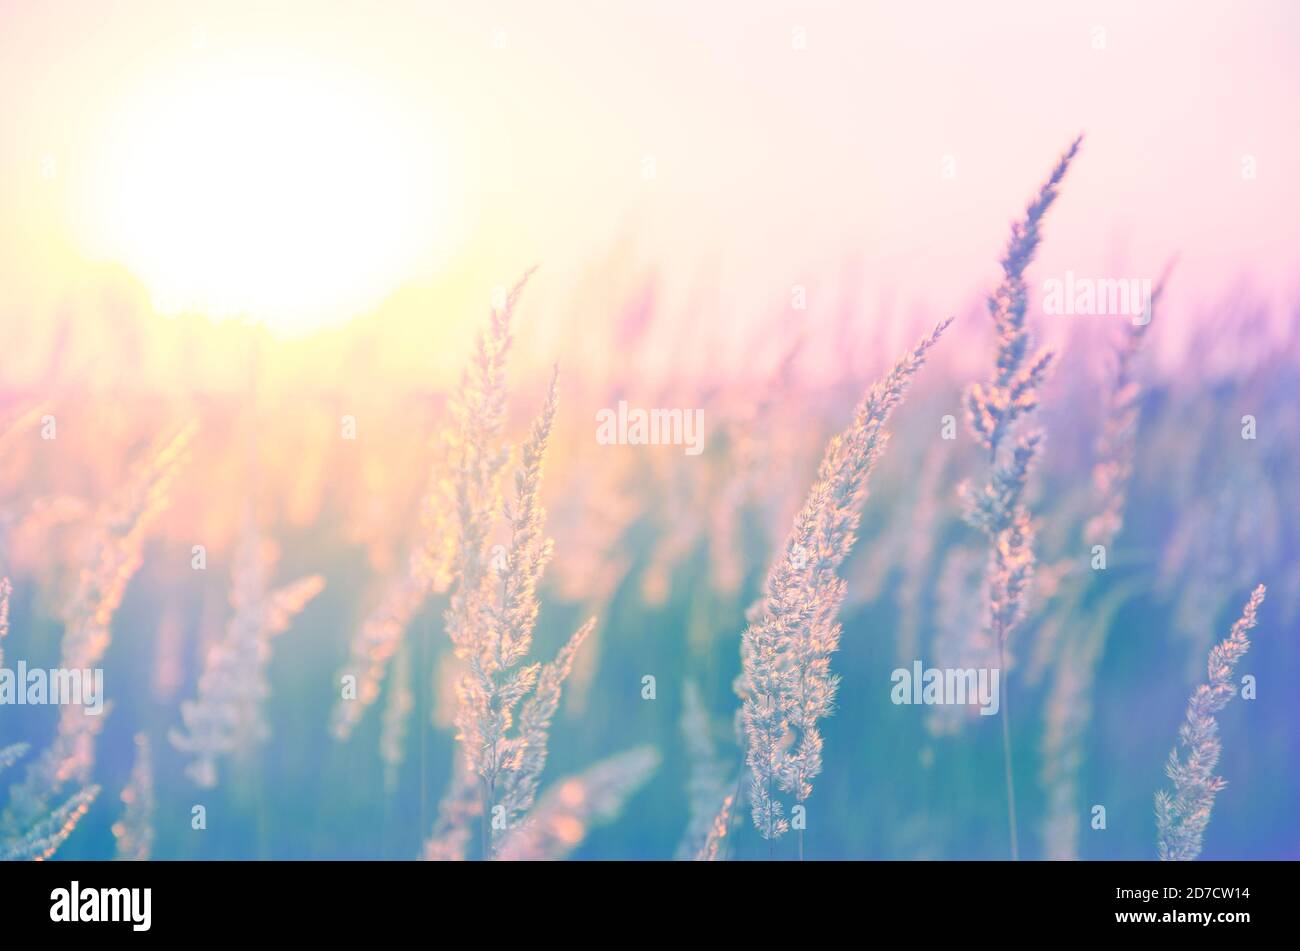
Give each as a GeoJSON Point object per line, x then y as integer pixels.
{"type": "Point", "coordinates": [307, 160]}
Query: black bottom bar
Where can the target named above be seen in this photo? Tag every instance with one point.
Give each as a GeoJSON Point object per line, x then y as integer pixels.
{"type": "Point", "coordinates": [338, 899]}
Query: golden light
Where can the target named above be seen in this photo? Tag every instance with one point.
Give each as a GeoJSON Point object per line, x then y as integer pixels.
{"type": "Point", "coordinates": [277, 191]}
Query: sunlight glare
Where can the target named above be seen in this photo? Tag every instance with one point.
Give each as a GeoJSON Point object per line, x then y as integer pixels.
{"type": "Point", "coordinates": [278, 193]}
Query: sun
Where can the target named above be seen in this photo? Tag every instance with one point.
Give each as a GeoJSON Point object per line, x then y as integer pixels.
{"type": "Point", "coordinates": [276, 191]}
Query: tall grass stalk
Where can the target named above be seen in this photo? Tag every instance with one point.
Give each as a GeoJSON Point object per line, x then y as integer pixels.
{"type": "Point", "coordinates": [504, 705]}
{"type": "Point", "coordinates": [786, 684]}
{"type": "Point", "coordinates": [1181, 817]}
{"type": "Point", "coordinates": [226, 717]}
{"type": "Point", "coordinates": [39, 834]}
{"type": "Point", "coordinates": [114, 552]}
{"type": "Point", "coordinates": [719, 829]}
{"type": "Point", "coordinates": [995, 411]}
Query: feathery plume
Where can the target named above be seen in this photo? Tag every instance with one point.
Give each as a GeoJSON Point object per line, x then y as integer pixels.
{"type": "Point", "coordinates": [115, 552]}
{"type": "Point", "coordinates": [226, 716]}
{"type": "Point", "coordinates": [42, 837]}
{"type": "Point", "coordinates": [786, 683]}
{"type": "Point", "coordinates": [993, 411]}
{"type": "Point", "coordinates": [998, 510]}
{"type": "Point", "coordinates": [478, 458]}
{"type": "Point", "coordinates": [494, 637]}
{"type": "Point", "coordinates": [572, 806]}
{"type": "Point", "coordinates": [993, 407]}
{"type": "Point", "coordinates": [493, 611]}
{"type": "Point", "coordinates": [528, 749]}
{"type": "Point", "coordinates": [718, 830]}
{"type": "Point", "coordinates": [134, 831]}
{"type": "Point", "coordinates": [39, 836]}
{"type": "Point", "coordinates": [477, 461]}
{"type": "Point", "coordinates": [1181, 818]}
{"type": "Point", "coordinates": [49, 831]}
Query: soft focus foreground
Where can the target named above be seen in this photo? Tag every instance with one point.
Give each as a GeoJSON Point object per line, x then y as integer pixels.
{"type": "Point", "coordinates": [639, 556]}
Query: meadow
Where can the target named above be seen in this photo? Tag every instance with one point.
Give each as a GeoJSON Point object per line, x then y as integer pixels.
{"type": "Point", "coordinates": [355, 599]}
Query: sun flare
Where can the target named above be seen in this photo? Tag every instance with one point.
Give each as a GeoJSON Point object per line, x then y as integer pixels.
{"type": "Point", "coordinates": [278, 193]}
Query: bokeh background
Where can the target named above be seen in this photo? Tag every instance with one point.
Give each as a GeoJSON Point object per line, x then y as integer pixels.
{"type": "Point", "coordinates": [265, 217]}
